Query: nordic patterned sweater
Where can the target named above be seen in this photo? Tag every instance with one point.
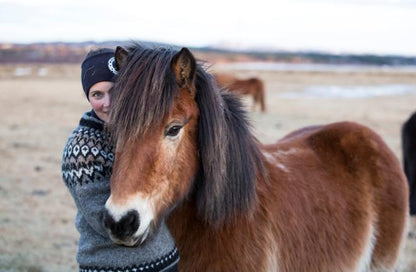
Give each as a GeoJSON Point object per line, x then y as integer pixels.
{"type": "Point", "coordinates": [86, 167]}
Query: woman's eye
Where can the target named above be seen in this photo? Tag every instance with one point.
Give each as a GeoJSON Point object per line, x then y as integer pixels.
{"type": "Point", "coordinates": [173, 131]}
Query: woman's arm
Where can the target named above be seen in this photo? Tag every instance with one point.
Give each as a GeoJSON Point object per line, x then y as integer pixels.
{"type": "Point", "coordinates": [86, 170]}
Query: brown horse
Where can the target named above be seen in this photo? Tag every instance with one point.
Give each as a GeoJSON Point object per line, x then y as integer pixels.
{"type": "Point", "coordinates": [324, 198]}
{"type": "Point", "coordinates": [251, 86]}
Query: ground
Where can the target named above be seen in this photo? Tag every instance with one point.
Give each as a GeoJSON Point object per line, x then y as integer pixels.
{"type": "Point", "coordinates": [43, 103]}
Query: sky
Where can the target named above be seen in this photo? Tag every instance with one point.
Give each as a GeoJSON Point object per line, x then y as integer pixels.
{"type": "Point", "coordinates": [336, 26]}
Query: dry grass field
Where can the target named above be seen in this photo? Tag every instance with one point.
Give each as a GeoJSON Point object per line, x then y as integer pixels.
{"type": "Point", "coordinates": [41, 104]}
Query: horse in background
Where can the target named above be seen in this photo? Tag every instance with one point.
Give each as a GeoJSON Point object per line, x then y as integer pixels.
{"type": "Point", "coordinates": [324, 198]}
{"type": "Point", "coordinates": [409, 158]}
{"type": "Point", "coordinates": [253, 87]}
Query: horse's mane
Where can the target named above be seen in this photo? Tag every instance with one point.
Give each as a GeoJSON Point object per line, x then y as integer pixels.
{"type": "Point", "coordinates": [230, 159]}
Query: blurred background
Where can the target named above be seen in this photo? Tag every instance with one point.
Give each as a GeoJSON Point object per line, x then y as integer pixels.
{"type": "Point", "coordinates": [318, 61]}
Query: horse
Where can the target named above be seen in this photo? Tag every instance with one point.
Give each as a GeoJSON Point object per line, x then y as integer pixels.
{"type": "Point", "coordinates": [252, 86]}
{"type": "Point", "coordinates": [409, 158]}
{"type": "Point", "coordinates": [323, 198]}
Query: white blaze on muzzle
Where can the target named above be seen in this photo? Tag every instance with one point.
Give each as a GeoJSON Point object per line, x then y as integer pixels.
{"type": "Point", "coordinates": [138, 203]}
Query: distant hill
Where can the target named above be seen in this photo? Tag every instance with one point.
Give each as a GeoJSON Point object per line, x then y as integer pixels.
{"type": "Point", "coordinates": [67, 52]}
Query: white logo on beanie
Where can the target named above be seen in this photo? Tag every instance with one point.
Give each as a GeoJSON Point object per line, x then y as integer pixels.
{"type": "Point", "coordinates": [111, 62]}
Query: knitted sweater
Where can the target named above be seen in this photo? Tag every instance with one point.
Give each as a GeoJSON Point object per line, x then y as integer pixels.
{"type": "Point", "coordinates": [86, 167]}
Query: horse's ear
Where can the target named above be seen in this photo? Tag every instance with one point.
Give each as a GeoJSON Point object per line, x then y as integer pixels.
{"type": "Point", "coordinates": [183, 65]}
{"type": "Point", "coordinates": [120, 56]}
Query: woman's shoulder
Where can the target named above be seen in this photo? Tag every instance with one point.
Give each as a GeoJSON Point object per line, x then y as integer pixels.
{"type": "Point", "coordinates": [90, 120]}
{"type": "Point", "coordinates": [87, 157]}
{"type": "Point", "coordinates": [88, 143]}
{"type": "Point", "coordinates": [90, 128]}
{"type": "Point", "coordinates": [85, 134]}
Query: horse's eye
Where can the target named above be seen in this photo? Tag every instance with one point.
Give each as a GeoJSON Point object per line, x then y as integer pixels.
{"type": "Point", "coordinates": [173, 131]}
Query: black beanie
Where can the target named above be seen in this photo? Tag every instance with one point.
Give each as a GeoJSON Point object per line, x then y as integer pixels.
{"type": "Point", "coordinates": [98, 65]}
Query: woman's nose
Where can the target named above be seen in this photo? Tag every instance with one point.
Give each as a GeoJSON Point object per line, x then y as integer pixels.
{"type": "Point", "coordinates": [106, 101]}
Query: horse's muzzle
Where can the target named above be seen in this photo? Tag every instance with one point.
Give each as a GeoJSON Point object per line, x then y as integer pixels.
{"type": "Point", "coordinates": [123, 230]}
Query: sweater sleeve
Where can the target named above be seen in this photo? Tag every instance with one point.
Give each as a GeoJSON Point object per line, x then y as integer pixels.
{"type": "Point", "coordinates": [86, 169]}
{"type": "Point", "coordinates": [90, 200]}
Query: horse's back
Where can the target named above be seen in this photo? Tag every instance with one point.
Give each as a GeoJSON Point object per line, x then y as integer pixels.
{"type": "Point", "coordinates": [258, 83]}
{"type": "Point", "coordinates": [347, 188]}
{"type": "Point", "coordinates": [346, 146]}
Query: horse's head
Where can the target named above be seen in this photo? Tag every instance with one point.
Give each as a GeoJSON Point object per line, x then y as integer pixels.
{"type": "Point", "coordinates": [154, 120]}
{"type": "Point", "coordinates": [172, 127]}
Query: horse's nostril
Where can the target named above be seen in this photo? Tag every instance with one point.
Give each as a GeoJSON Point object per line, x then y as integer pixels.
{"type": "Point", "coordinates": [130, 221]}
{"type": "Point", "coordinates": [109, 222]}
{"type": "Point", "coordinates": [125, 227]}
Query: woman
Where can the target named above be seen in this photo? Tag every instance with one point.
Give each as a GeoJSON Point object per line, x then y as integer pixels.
{"type": "Point", "coordinates": [86, 168]}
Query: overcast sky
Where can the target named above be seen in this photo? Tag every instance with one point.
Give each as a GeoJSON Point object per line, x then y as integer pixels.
{"type": "Point", "coordinates": [338, 26]}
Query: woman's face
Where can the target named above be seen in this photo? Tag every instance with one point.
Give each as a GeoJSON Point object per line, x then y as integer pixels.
{"type": "Point", "coordinates": [99, 96]}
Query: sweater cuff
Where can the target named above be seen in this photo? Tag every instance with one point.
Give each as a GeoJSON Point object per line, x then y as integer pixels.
{"type": "Point", "coordinates": [161, 264]}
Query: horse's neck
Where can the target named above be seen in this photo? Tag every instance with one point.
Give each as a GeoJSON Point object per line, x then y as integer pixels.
{"type": "Point", "coordinates": [183, 219]}
{"type": "Point", "coordinates": [205, 247]}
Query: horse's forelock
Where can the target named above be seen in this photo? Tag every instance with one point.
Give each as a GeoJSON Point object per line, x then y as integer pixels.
{"type": "Point", "coordinates": [143, 93]}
